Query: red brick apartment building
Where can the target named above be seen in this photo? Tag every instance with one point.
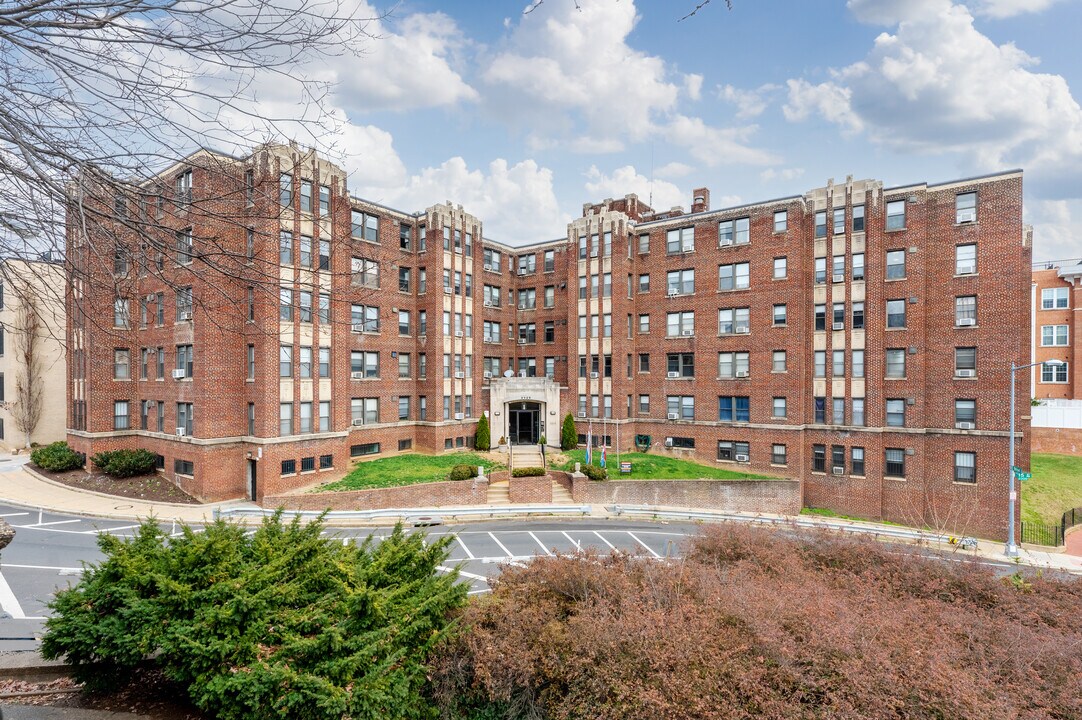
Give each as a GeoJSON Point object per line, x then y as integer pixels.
{"type": "Point", "coordinates": [1057, 326]}
{"type": "Point", "coordinates": [856, 337]}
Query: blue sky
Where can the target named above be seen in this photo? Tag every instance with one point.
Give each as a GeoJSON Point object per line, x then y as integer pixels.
{"type": "Point", "coordinates": [524, 117]}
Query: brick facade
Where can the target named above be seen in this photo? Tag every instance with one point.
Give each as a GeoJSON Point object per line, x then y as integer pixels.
{"type": "Point", "coordinates": [589, 292]}
{"type": "Point", "coordinates": [1057, 329]}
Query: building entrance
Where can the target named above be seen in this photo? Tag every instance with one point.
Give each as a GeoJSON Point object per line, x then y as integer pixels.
{"type": "Point", "coordinates": [524, 423]}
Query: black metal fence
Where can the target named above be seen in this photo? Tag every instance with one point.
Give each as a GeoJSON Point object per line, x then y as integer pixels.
{"type": "Point", "coordinates": [1034, 533]}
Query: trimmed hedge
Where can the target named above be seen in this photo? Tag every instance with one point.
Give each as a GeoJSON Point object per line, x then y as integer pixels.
{"type": "Point", "coordinates": [528, 472]}
{"type": "Point", "coordinates": [595, 473]}
{"type": "Point", "coordinates": [124, 463]}
{"type": "Point", "coordinates": [57, 457]}
{"type": "Point", "coordinates": [462, 472]}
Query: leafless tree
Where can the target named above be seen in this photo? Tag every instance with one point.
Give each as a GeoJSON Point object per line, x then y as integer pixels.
{"type": "Point", "coordinates": [97, 96]}
{"type": "Point", "coordinates": [27, 339]}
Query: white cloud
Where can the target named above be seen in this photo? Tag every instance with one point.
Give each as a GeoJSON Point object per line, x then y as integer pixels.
{"type": "Point", "coordinates": [716, 146]}
{"type": "Point", "coordinates": [785, 174]}
{"type": "Point", "coordinates": [408, 65]}
{"type": "Point", "coordinates": [749, 103]}
{"type": "Point", "coordinates": [827, 99]}
{"type": "Point", "coordinates": [1057, 229]}
{"type": "Point", "coordinates": [368, 155]}
{"type": "Point", "coordinates": [673, 170]}
{"type": "Point", "coordinates": [693, 86]}
{"type": "Point", "coordinates": [626, 180]}
{"type": "Point", "coordinates": [1000, 9]}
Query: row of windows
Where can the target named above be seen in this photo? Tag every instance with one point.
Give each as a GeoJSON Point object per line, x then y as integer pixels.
{"type": "Point", "coordinates": [964, 471]}
{"type": "Point", "coordinates": [1055, 298]}
{"type": "Point", "coordinates": [308, 464]}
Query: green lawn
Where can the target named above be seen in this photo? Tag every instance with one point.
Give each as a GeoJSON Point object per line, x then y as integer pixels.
{"type": "Point", "coordinates": [645, 466]}
{"type": "Point", "coordinates": [1055, 488]}
{"type": "Point", "coordinates": [405, 470]}
{"type": "Point", "coordinates": [828, 513]}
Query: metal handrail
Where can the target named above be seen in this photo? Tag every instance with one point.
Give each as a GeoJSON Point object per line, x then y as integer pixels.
{"type": "Point", "coordinates": [404, 513]}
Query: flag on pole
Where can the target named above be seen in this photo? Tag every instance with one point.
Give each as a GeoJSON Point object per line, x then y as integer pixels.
{"type": "Point", "coordinates": [589, 443]}
{"type": "Point", "coordinates": [602, 456]}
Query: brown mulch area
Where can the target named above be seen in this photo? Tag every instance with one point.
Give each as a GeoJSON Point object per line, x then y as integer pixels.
{"type": "Point", "coordinates": [153, 488]}
{"type": "Point", "coordinates": [149, 693]}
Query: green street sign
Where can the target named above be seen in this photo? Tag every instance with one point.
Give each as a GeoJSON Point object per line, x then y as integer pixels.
{"type": "Point", "coordinates": [1024, 476]}
{"type": "Point", "coordinates": [1015, 469]}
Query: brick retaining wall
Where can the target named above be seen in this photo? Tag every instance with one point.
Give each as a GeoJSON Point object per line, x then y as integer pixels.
{"type": "Point", "coordinates": [435, 494]}
{"type": "Point", "coordinates": [1062, 441]}
{"type": "Point", "coordinates": [767, 496]}
{"type": "Point", "coordinates": [531, 490]}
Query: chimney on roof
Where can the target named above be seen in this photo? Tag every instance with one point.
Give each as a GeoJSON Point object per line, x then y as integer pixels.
{"type": "Point", "coordinates": [700, 200]}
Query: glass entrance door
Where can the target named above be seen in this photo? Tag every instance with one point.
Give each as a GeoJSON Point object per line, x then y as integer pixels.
{"type": "Point", "coordinates": [524, 423]}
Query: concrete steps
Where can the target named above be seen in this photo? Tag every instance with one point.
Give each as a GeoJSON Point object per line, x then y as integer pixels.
{"type": "Point", "coordinates": [560, 494]}
{"type": "Point", "coordinates": [498, 493]}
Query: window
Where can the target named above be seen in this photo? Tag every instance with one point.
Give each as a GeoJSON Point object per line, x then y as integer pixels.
{"type": "Point", "coordinates": [185, 417]}
{"type": "Point", "coordinates": [858, 266]}
{"type": "Point", "coordinates": [184, 304]}
{"type": "Point", "coordinates": [1053, 335]}
{"type": "Point", "coordinates": [364, 226]}
{"type": "Point", "coordinates": [819, 458]}
{"type": "Point", "coordinates": [896, 412]}
{"type": "Point", "coordinates": [404, 276]}
{"type": "Point", "coordinates": [1053, 373]}
{"type": "Point", "coordinates": [858, 363]}
{"type": "Point", "coordinates": [820, 317]}
{"type": "Point", "coordinates": [733, 277]}
{"type": "Point", "coordinates": [821, 224]}
{"type": "Point", "coordinates": [327, 461]}
{"type": "Point", "coordinates": [404, 322]}
{"type": "Point", "coordinates": [121, 313]}
{"type": "Point", "coordinates": [680, 240]}
{"type": "Point", "coordinates": [680, 282]}
{"type": "Point", "coordinates": [285, 305]}
{"type": "Point", "coordinates": [780, 315]}
{"type": "Point", "coordinates": [364, 318]}
{"type": "Point", "coordinates": [304, 306]}
{"type": "Point", "coordinates": [820, 410]}
{"type": "Point", "coordinates": [289, 467]}
{"type": "Point", "coordinates": [404, 239]}
{"type": "Point", "coordinates": [527, 264]}
{"type": "Point", "coordinates": [820, 270]}
{"type": "Point", "coordinates": [644, 324]}
{"type": "Point", "coordinates": [305, 248]}
{"type": "Point", "coordinates": [965, 207]}
{"type": "Point", "coordinates": [820, 363]}
{"type": "Point", "coordinates": [185, 360]}
{"type": "Point", "coordinates": [780, 268]}
{"type": "Point", "coordinates": [527, 299]}
{"type": "Point", "coordinates": [837, 458]}
{"type": "Point", "coordinates": [492, 260]}
{"type": "Point", "coordinates": [965, 310]}
{"type": "Point", "coordinates": [736, 232]}
{"type": "Point", "coordinates": [644, 404]}
{"type": "Point", "coordinates": [858, 316]}
{"type": "Point", "coordinates": [895, 314]}
{"type": "Point", "coordinates": [120, 261]}
{"type": "Point", "coordinates": [304, 361]}
{"type": "Point", "coordinates": [644, 244]}
{"type": "Point", "coordinates": [183, 467]}
{"type": "Point", "coordinates": [1054, 298]}
{"type": "Point", "coordinates": [528, 332]}
{"type": "Point", "coordinates": [781, 220]}
{"type": "Point", "coordinates": [363, 364]}
{"type": "Point", "coordinates": [120, 415]}
{"type": "Point", "coordinates": [324, 200]}
{"type": "Point", "coordinates": [404, 407]}
{"type": "Point", "coordinates": [858, 412]}
{"type": "Point", "coordinates": [778, 455]}
{"type": "Point", "coordinates": [550, 261]}
{"type": "Point", "coordinates": [682, 406]}
{"type": "Point", "coordinates": [965, 361]}
{"type": "Point", "coordinates": [732, 451]}
{"type": "Point", "coordinates": [491, 331]}
{"type": "Point", "coordinates": [183, 186]}
{"type": "Point", "coordinates": [121, 364]}
{"type": "Point", "coordinates": [422, 407]}
{"type": "Point", "coordinates": [965, 260]}
{"type": "Point", "coordinates": [681, 365]}
{"type": "Point", "coordinates": [858, 218]}
{"type": "Point", "coordinates": [965, 466]}
{"type": "Point", "coordinates": [285, 189]}
{"type": "Point", "coordinates": [644, 362]}
{"type": "Point", "coordinates": [285, 361]}
{"type": "Point", "coordinates": [680, 323]}
{"type": "Point", "coordinates": [644, 285]}
{"type": "Point", "coordinates": [965, 411]}
{"type": "Point", "coordinates": [837, 411]}
{"type": "Point", "coordinates": [837, 268]}
{"type": "Point", "coordinates": [365, 272]}
{"type": "Point", "coordinates": [160, 354]}
{"type": "Point", "coordinates": [779, 363]}
{"type": "Point", "coordinates": [364, 449]}
{"type": "Point", "coordinates": [838, 316]}
{"type": "Point", "coordinates": [896, 215]}
{"type": "Point", "coordinates": [779, 409]}
{"type": "Point", "coordinates": [364, 411]}
{"type": "Point", "coordinates": [839, 221]}
{"type": "Point", "coordinates": [896, 363]}
{"type": "Point", "coordinates": [324, 362]}
{"type": "Point", "coordinates": [734, 409]}
{"type": "Point", "coordinates": [550, 296]}
{"type": "Point", "coordinates": [837, 365]}
{"type": "Point", "coordinates": [733, 320]}
{"type": "Point", "coordinates": [895, 264]}
{"type": "Point", "coordinates": [894, 462]}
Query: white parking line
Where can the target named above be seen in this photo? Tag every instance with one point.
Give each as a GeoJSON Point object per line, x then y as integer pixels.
{"type": "Point", "coordinates": [54, 522]}
{"type": "Point", "coordinates": [502, 546]}
{"type": "Point", "coordinates": [112, 529]}
{"type": "Point", "coordinates": [13, 514]}
{"type": "Point", "coordinates": [45, 567]}
{"type": "Point", "coordinates": [573, 541]}
{"type": "Point", "coordinates": [640, 542]}
{"type": "Point", "coordinates": [602, 539]}
{"type": "Point", "coordinates": [8, 600]}
{"type": "Point", "coordinates": [547, 551]}
{"type": "Point", "coordinates": [463, 573]}
{"type": "Point", "coordinates": [466, 549]}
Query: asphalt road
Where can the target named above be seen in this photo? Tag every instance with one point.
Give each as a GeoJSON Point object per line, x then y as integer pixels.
{"type": "Point", "coordinates": [49, 549]}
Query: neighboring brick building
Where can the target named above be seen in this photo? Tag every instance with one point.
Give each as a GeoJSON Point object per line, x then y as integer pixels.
{"type": "Point", "coordinates": [1057, 327]}
{"type": "Point", "coordinates": [831, 337]}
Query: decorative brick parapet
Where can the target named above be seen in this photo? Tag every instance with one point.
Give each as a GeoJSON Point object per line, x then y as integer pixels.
{"type": "Point", "coordinates": [435, 494]}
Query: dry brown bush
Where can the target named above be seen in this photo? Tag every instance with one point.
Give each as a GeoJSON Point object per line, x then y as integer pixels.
{"type": "Point", "coordinates": [752, 625]}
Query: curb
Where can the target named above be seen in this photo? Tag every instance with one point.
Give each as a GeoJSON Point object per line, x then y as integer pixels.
{"type": "Point", "coordinates": [30, 664]}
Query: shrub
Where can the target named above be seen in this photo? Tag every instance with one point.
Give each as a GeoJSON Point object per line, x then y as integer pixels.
{"type": "Point", "coordinates": [569, 436]}
{"type": "Point", "coordinates": [462, 472]}
{"type": "Point", "coordinates": [595, 473]}
{"type": "Point", "coordinates": [124, 463]}
{"type": "Point", "coordinates": [528, 472]}
{"type": "Point", "coordinates": [483, 437]}
{"type": "Point", "coordinates": [57, 457]}
{"type": "Point", "coordinates": [281, 623]}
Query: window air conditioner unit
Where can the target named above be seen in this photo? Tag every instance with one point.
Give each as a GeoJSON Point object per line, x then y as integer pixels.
{"type": "Point", "coordinates": [488, 267]}
{"type": "Point", "coordinates": [582, 414]}
{"type": "Point", "coordinates": [742, 329]}
{"type": "Point", "coordinates": [726, 241]}
{"type": "Point", "coordinates": [967, 216]}
{"type": "Point", "coordinates": [551, 376]}
{"type": "Point", "coordinates": [488, 339]}
{"type": "Point", "coordinates": [357, 327]}
{"type": "Point", "coordinates": [488, 375]}
{"type": "Point", "coordinates": [179, 374]}
{"type": "Point", "coordinates": [523, 271]}
{"type": "Point", "coordinates": [687, 333]}
{"type": "Point", "coordinates": [673, 294]}
{"type": "Point", "coordinates": [741, 373]}
{"type": "Point", "coordinates": [458, 333]}
{"type": "Point", "coordinates": [967, 322]}
{"type": "Point", "coordinates": [181, 432]}
{"type": "Point", "coordinates": [740, 458]}
{"type": "Point", "coordinates": [522, 341]}
{"type": "Point", "coordinates": [522, 306]}
{"type": "Point", "coordinates": [674, 416]}
{"type": "Point", "coordinates": [459, 375]}
{"type": "Point", "coordinates": [688, 248]}
{"type": "Point", "coordinates": [965, 373]}
{"type": "Point", "coordinates": [668, 442]}
{"type": "Point", "coordinates": [358, 421]}
{"type": "Point", "coordinates": [488, 303]}
{"type": "Point", "coordinates": [186, 315]}
{"type": "Point", "coordinates": [593, 375]}
{"type": "Point", "coordinates": [838, 278]}
{"type": "Point", "coordinates": [837, 470]}
{"type": "Point", "coordinates": [964, 425]}
{"type": "Point", "coordinates": [672, 374]}
{"type": "Point", "coordinates": [967, 269]}
{"type": "Point", "coordinates": [150, 298]}
{"type": "Point", "coordinates": [447, 291]}
{"type": "Point", "coordinates": [838, 326]}
{"type": "Point", "coordinates": [357, 375]}
{"type": "Point", "coordinates": [459, 416]}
